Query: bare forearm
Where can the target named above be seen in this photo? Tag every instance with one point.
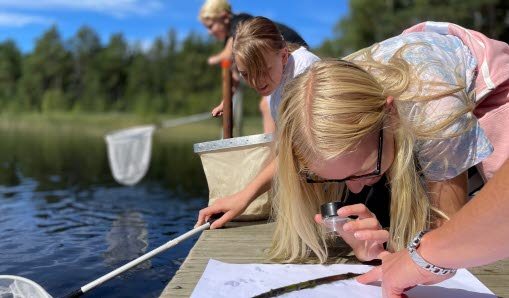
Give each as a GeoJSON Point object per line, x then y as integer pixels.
{"type": "Point", "coordinates": [478, 234]}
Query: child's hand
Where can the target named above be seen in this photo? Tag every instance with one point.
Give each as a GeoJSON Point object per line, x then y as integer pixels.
{"type": "Point", "coordinates": [365, 234]}
{"type": "Point", "coordinates": [213, 60]}
{"type": "Point", "coordinates": [218, 111]}
{"type": "Point", "coordinates": [231, 206]}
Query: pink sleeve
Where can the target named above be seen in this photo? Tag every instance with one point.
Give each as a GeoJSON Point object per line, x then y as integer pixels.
{"type": "Point", "coordinates": [492, 55]}
{"type": "Point", "coordinates": [492, 73]}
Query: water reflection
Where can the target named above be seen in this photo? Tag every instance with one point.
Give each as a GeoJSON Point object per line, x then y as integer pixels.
{"type": "Point", "coordinates": [64, 221]}
{"type": "Point", "coordinates": [80, 161]}
{"type": "Point", "coordinates": [127, 240]}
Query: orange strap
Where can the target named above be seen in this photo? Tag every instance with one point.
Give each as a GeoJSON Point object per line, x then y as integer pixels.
{"type": "Point", "coordinates": [226, 64]}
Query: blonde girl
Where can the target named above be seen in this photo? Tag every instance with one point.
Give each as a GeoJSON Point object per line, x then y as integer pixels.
{"type": "Point", "coordinates": [404, 108]}
{"type": "Point", "coordinates": [267, 62]}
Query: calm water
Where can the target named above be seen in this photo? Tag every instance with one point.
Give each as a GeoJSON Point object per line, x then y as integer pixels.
{"type": "Point", "coordinates": [64, 222]}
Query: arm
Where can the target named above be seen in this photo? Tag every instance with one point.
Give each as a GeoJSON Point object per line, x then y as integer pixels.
{"type": "Point", "coordinates": [225, 54]}
{"type": "Point", "coordinates": [449, 195]}
{"type": "Point", "coordinates": [234, 205]}
{"type": "Point", "coordinates": [218, 111]}
{"type": "Point", "coordinates": [483, 220]}
{"type": "Point", "coordinates": [467, 240]}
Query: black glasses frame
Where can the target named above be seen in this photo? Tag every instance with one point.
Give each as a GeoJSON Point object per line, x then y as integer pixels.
{"type": "Point", "coordinates": [375, 173]}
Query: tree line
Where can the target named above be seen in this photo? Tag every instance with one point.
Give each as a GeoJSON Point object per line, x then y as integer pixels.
{"type": "Point", "coordinates": [371, 21]}
{"type": "Point", "coordinates": [82, 75]}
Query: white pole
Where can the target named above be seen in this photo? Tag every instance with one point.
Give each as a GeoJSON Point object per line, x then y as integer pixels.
{"type": "Point", "coordinates": [143, 258]}
{"type": "Point", "coordinates": [186, 120]}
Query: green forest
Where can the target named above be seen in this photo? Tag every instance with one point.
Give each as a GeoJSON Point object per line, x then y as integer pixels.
{"type": "Point", "coordinates": [172, 77]}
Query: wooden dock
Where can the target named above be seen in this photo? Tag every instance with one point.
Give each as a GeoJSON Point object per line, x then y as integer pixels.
{"type": "Point", "coordinates": [244, 244]}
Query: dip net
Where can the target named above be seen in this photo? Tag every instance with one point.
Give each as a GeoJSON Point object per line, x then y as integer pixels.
{"type": "Point", "coordinates": [129, 153]}
{"type": "Point", "coordinates": [20, 287]}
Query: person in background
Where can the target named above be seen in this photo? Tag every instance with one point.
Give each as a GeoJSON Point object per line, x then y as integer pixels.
{"type": "Point", "coordinates": [483, 219]}
{"type": "Point", "coordinates": [217, 17]}
{"type": "Point", "coordinates": [411, 108]}
{"type": "Point", "coordinates": [267, 62]}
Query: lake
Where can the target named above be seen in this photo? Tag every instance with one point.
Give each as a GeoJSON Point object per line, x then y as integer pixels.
{"type": "Point", "coordinates": [64, 221]}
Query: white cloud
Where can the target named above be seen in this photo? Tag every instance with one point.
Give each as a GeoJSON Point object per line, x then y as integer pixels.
{"type": "Point", "coordinates": [20, 20]}
{"type": "Point", "coordinates": [118, 8]}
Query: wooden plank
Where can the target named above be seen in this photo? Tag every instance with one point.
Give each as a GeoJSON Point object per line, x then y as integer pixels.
{"type": "Point", "coordinates": [245, 243]}
{"type": "Point", "coordinates": [242, 243]}
{"type": "Point", "coordinates": [501, 267]}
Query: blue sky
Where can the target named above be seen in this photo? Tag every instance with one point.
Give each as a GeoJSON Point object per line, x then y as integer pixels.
{"type": "Point", "coordinates": [143, 20]}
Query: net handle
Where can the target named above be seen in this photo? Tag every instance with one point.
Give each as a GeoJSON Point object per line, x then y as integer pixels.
{"type": "Point", "coordinates": [86, 288]}
{"type": "Point", "coordinates": [227, 99]}
{"type": "Point", "coordinates": [186, 120]}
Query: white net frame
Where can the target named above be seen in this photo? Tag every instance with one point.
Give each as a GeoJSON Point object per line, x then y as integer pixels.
{"type": "Point", "coordinates": [20, 287]}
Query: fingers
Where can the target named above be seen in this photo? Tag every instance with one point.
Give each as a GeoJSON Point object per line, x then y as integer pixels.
{"type": "Point", "coordinates": [228, 216]}
{"type": "Point", "coordinates": [217, 113]}
{"type": "Point", "coordinates": [395, 279]}
{"type": "Point", "coordinates": [213, 60]}
{"type": "Point", "coordinates": [205, 213]}
{"type": "Point", "coordinates": [393, 293]}
{"type": "Point", "coordinates": [201, 219]}
{"type": "Point", "coordinates": [371, 276]}
{"type": "Point", "coordinates": [318, 219]}
{"type": "Point", "coordinates": [379, 236]}
{"type": "Point", "coordinates": [364, 224]}
{"type": "Point", "coordinates": [383, 254]}
{"type": "Point", "coordinates": [359, 210]}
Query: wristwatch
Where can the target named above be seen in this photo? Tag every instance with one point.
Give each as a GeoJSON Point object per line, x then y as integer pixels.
{"type": "Point", "coordinates": [412, 248]}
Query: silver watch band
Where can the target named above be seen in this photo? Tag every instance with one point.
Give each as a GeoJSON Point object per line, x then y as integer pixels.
{"type": "Point", "coordinates": [412, 248]}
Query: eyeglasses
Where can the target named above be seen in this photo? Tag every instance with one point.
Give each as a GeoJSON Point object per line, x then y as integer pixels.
{"type": "Point", "coordinates": [311, 178]}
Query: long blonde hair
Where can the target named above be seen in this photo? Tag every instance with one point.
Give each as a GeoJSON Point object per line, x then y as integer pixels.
{"type": "Point", "coordinates": [252, 40]}
{"type": "Point", "coordinates": [213, 9]}
{"type": "Point", "coordinates": [328, 110]}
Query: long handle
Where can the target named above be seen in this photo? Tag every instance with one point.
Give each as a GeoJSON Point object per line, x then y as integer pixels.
{"type": "Point", "coordinates": [186, 120]}
{"type": "Point", "coordinates": [227, 100]}
{"type": "Point", "coordinates": [143, 258]}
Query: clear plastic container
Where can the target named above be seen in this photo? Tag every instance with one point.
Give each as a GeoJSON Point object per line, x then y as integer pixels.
{"type": "Point", "coordinates": [331, 221]}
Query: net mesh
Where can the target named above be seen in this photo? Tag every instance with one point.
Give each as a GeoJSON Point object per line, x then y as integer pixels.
{"type": "Point", "coordinates": [20, 287]}
{"type": "Point", "coordinates": [229, 170]}
{"type": "Point", "coordinates": [129, 153]}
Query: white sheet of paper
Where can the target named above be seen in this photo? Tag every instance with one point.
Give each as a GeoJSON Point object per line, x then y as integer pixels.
{"type": "Point", "coordinates": [247, 280]}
